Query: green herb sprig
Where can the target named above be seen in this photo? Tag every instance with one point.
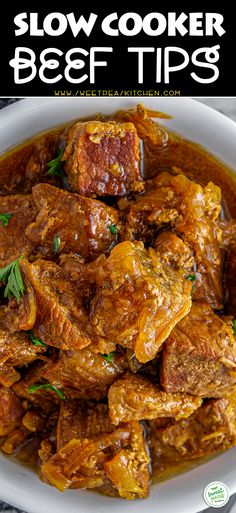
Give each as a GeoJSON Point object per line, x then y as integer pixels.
{"type": "Point", "coordinates": [56, 244]}
{"type": "Point", "coordinates": [46, 386]}
{"type": "Point", "coordinates": [108, 357]}
{"type": "Point", "coordinates": [12, 278]}
{"type": "Point", "coordinates": [56, 166]}
{"type": "Point", "coordinates": [234, 326]}
{"type": "Point", "coordinates": [5, 218]}
{"type": "Point", "coordinates": [191, 277]}
{"type": "Point", "coordinates": [113, 228]}
{"type": "Point", "coordinates": [35, 340]}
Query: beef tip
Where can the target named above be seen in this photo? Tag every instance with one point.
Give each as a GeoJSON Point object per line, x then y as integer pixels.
{"type": "Point", "coordinates": [86, 275]}
{"type": "Point", "coordinates": [207, 431]}
{"type": "Point", "coordinates": [15, 350]}
{"type": "Point", "coordinates": [15, 440]}
{"type": "Point", "coordinates": [128, 469]}
{"type": "Point", "coordinates": [13, 242]}
{"type": "Point", "coordinates": [200, 355]}
{"type": "Point", "coordinates": [193, 212]}
{"type": "Point", "coordinates": [133, 397]}
{"type": "Point", "coordinates": [102, 158]}
{"type": "Point", "coordinates": [228, 233]}
{"type": "Point", "coordinates": [154, 136]}
{"type": "Point", "coordinates": [8, 375]}
{"type": "Point", "coordinates": [174, 251]}
{"type": "Point", "coordinates": [84, 374]}
{"type": "Point", "coordinates": [34, 421]}
{"type": "Point", "coordinates": [82, 419]}
{"type": "Point", "coordinates": [230, 280]}
{"type": "Point", "coordinates": [92, 453]}
{"type": "Point", "coordinates": [197, 223]}
{"type": "Point", "coordinates": [152, 211]}
{"type": "Point", "coordinates": [17, 316]}
{"type": "Point", "coordinates": [141, 300]}
{"type": "Point", "coordinates": [44, 400]}
{"type": "Point", "coordinates": [61, 318]}
{"type": "Point", "coordinates": [11, 411]}
{"type": "Point", "coordinates": [82, 224]}
{"type": "Point", "coordinates": [228, 243]}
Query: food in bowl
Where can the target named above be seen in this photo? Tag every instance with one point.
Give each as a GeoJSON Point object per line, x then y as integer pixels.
{"type": "Point", "coordinates": [117, 269]}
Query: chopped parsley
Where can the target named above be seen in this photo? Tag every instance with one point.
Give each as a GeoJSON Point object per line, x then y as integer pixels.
{"type": "Point", "coordinates": [35, 340]}
{"type": "Point", "coordinates": [46, 386]}
{"type": "Point", "coordinates": [191, 277]}
{"type": "Point", "coordinates": [11, 277]}
{"type": "Point", "coordinates": [113, 228]}
{"type": "Point", "coordinates": [108, 357]}
{"type": "Point", "coordinates": [5, 218]}
{"type": "Point", "coordinates": [56, 244]}
{"type": "Point", "coordinates": [234, 326]}
{"type": "Point", "coordinates": [56, 166]}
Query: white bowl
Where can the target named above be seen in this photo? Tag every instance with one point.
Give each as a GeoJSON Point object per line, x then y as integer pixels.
{"type": "Point", "coordinates": [184, 494]}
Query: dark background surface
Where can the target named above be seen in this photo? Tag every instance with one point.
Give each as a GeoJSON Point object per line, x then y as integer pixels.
{"type": "Point", "coordinates": [122, 70]}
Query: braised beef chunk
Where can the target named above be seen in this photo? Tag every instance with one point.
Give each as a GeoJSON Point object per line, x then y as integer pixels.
{"type": "Point", "coordinates": [128, 470]}
{"type": "Point", "coordinates": [212, 428]}
{"type": "Point", "coordinates": [11, 411]}
{"type": "Point", "coordinates": [153, 135]}
{"type": "Point", "coordinates": [20, 315]}
{"type": "Point", "coordinates": [82, 419]}
{"type": "Point", "coordinates": [13, 242]}
{"type": "Point", "coordinates": [93, 453]}
{"type": "Point", "coordinates": [228, 228]}
{"type": "Point", "coordinates": [174, 251]}
{"type": "Point", "coordinates": [193, 212]}
{"type": "Point", "coordinates": [14, 441]}
{"type": "Point", "coordinates": [197, 223]}
{"type": "Point", "coordinates": [85, 374]}
{"type": "Point", "coordinates": [231, 281]}
{"type": "Point", "coordinates": [16, 350]}
{"type": "Point", "coordinates": [8, 375]}
{"type": "Point", "coordinates": [83, 225]}
{"type": "Point", "coordinates": [61, 318]}
{"type": "Point", "coordinates": [88, 276]}
{"type": "Point", "coordinates": [134, 397]}
{"type": "Point", "coordinates": [33, 421]}
{"type": "Point", "coordinates": [46, 400]}
{"type": "Point", "coordinates": [102, 158]}
{"type": "Point", "coordinates": [199, 356]}
{"type": "Point", "coordinates": [154, 210]}
{"type": "Point", "coordinates": [141, 300]}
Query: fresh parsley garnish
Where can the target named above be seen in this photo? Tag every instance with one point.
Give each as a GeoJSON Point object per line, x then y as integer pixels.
{"type": "Point", "coordinates": [191, 277]}
{"type": "Point", "coordinates": [56, 244]}
{"type": "Point", "coordinates": [11, 277]}
{"type": "Point", "coordinates": [108, 357]}
{"type": "Point", "coordinates": [113, 228]}
{"type": "Point", "coordinates": [46, 386]}
{"type": "Point", "coordinates": [56, 166]}
{"type": "Point", "coordinates": [35, 340]}
{"type": "Point", "coordinates": [5, 218]}
{"type": "Point", "coordinates": [234, 326]}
